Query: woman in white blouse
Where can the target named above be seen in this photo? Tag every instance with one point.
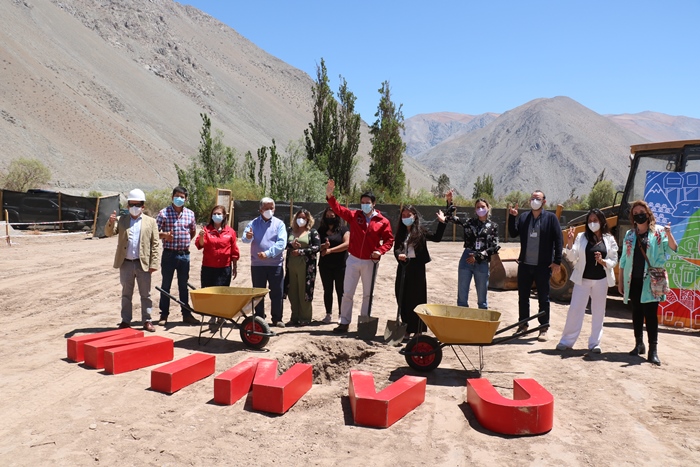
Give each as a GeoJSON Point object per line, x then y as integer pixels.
{"type": "Point", "coordinates": [594, 255]}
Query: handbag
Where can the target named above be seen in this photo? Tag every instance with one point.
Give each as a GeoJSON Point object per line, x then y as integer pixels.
{"type": "Point", "coordinates": [658, 279]}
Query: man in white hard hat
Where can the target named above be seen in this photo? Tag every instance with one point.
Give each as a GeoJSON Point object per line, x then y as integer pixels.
{"type": "Point", "coordinates": [136, 256]}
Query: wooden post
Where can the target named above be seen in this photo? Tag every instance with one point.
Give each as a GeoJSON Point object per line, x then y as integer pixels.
{"type": "Point", "coordinates": [7, 228]}
{"type": "Point", "coordinates": [507, 216]}
{"type": "Point", "coordinates": [60, 226]}
{"type": "Point", "coordinates": [454, 232]}
{"type": "Point", "coordinates": [94, 220]}
{"type": "Point", "coordinates": [291, 213]}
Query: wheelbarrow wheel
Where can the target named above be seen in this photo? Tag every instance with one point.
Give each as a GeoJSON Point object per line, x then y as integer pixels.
{"type": "Point", "coordinates": [426, 345]}
{"type": "Point", "coordinates": [254, 324]}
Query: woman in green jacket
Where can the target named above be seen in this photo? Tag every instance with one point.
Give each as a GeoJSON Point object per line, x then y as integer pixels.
{"type": "Point", "coordinates": [635, 283]}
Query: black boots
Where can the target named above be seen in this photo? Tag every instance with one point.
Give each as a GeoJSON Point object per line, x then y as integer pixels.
{"type": "Point", "coordinates": [639, 349]}
{"type": "Point", "coordinates": [653, 357]}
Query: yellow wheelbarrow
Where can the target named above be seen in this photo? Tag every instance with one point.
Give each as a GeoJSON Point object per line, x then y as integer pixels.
{"type": "Point", "coordinates": [457, 326]}
{"type": "Point", "coordinates": [233, 304]}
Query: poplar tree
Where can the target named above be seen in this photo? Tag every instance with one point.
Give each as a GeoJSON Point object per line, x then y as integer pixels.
{"type": "Point", "coordinates": [386, 167]}
{"type": "Point", "coordinates": [343, 162]}
{"type": "Point", "coordinates": [319, 136]}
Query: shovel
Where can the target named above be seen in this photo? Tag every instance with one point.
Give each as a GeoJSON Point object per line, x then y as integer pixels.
{"type": "Point", "coordinates": [366, 325]}
{"type": "Point", "coordinates": [395, 330]}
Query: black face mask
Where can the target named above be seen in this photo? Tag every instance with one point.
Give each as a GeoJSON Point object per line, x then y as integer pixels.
{"type": "Point", "coordinates": [332, 221]}
{"type": "Point", "coordinates": [640, 218]}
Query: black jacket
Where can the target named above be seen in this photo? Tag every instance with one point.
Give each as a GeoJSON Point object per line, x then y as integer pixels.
{"type": "Point", "coordinates": [551, 239]}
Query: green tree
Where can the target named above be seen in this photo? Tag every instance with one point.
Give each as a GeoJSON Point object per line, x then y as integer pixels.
{"type": "Point", "coordinates": [386, 166]}
{"type": "Point", "coordinates": [296, 177]}
{"type": "Point", "coordinates": [215, 165]}
{"type": "Point", "coordinates": [343, 158]}
{"type": "Point", "coordinates": [23, 174]}
{"type": "Point", "coordinates": [602, 194]}
{"type": "Point", "coordinates": [319, 136]}
{"type": "Point", "coordinates": [483, 187]}
{"type": "Point", "coordinates": [443, 186]}
{"type": "Point", "coordinates": [262, 158]}
{"type": "Point", "coordinates": [249, 167]}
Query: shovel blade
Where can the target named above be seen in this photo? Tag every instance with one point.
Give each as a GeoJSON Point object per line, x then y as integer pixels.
{"type": "Point", "coordinates": [367, 327]}
{"type": "Point", "coordinates": [394, 332]}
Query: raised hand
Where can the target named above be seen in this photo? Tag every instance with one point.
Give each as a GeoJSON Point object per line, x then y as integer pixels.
{"type": "Point", "coordinates": [113, 217]}
{"type": "Point", "coordinates": [441, 216]}
{"type": "Point", "coordinates": [330, 187]}
{"type": "Point", "coordinates": [513, 210]}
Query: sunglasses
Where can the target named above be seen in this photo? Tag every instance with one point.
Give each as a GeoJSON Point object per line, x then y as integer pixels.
{"type": "Point", "coordinates": [140, 205]}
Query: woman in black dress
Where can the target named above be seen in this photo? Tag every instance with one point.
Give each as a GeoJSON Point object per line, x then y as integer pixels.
{"type": "Point", "coordinates": [334, 251]}
{"type": "Point", "coordinates": [411, 252]}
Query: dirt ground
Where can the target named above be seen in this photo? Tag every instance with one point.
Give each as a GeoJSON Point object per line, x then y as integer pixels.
{"type": "Point", "coordinates": [610, 409]}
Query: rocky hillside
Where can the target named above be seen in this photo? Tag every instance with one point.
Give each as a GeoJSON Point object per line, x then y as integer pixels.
{"type": "Point", "coordinates": [556, 145]}
{"type": "Point", "coordinates": [422, 132]}
{"type": "Point", "coordinates": [108, 94]}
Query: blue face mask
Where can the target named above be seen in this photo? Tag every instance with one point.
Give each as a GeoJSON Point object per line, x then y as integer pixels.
{"type": "Point", "coordinates": [366, 208]}
{"type": "Point", "coordinates": [179, 202]}
{"type": "Point", "coordinates": [217, 218]}
{"type": "Point", "coordinates": [407, 221]}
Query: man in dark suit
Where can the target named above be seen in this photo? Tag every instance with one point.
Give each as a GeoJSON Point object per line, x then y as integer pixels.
{"type": "Point", "coordinates": [540, 255]}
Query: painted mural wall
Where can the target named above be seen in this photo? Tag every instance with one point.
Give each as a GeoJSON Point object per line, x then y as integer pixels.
{"type": "Point", "coordinates": [675, 197]}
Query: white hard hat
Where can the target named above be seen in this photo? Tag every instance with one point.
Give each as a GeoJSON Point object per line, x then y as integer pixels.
{"type": "Point", "coordinates": [136, 195]}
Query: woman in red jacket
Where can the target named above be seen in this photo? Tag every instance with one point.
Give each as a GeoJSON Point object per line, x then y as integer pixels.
{"type": "Point", "coordinates": [220, 250]}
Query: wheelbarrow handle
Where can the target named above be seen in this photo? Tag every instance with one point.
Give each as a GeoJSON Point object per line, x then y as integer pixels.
{"type": "Point", "coordinates": [519, 323]}
{"type": "Point", "coordinates": [171, 297]}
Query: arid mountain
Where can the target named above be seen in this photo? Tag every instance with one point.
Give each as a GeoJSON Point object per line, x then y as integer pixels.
{"type": "Point", "coordinates": [556, 145]}
{"type": "Point", "coordinates": [108, 94]}
{"type": "Point", "coordinates": [424, 131]}
{"type": "Point", "coordinates": [656, 126]}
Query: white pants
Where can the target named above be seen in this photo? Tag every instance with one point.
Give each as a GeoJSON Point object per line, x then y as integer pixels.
{"type": "Point", "coordinates": [597, 290]}
{"type": "Point", "coordinates": [356, 269]}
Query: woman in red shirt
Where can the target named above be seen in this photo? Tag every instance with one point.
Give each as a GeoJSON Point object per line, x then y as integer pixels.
{"type": "Point", "coordinates": [220, 250]}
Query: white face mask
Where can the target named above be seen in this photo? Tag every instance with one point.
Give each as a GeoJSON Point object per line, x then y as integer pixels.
{"type": "Point", "coordinates": [135, 211]}
{"type": "Point", "coordinates": [481, 212]}
{"type": "Point", "coordinates": [301, 222]}
{"type": "Point", "coordinates": [268, 214]}
{"type": "Point", "coordinates": [366, 208]}
{"type": "Point", "coordinates": [594, 226]}
{"type": "Point", "coordinates": [535, 204]}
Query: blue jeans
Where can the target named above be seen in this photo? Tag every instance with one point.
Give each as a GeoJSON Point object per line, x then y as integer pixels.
{"type": "Point", "coordinates": [271, 277]}
{"type": "Point", "coordinates": [540, 276]}
{"type": "Point", "coordinates": [169, 263]}
{"type": "Point", "coordinates": [465, 272]}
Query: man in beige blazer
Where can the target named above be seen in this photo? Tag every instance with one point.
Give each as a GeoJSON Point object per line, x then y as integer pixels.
{"type": "Point", "coordinates": [136, 257]}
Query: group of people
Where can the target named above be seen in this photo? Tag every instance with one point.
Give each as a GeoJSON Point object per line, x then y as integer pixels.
{"type": "Point", "coordinates": [351, 254]}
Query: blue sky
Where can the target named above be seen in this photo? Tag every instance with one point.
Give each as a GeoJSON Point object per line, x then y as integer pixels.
{"type": "Point", "coordinates": [613, 56]}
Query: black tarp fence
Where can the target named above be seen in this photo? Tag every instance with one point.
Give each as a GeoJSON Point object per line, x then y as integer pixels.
{"type": "Point", "coordinates": [245, 211]}
{"type": "Point", "coordinates": [55, 210]}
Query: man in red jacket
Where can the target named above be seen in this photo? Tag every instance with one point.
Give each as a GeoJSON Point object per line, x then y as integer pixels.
{"type": "Point", "coordinates": [370, 238]}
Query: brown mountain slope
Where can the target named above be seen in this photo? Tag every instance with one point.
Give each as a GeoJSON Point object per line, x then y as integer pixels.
{"type": "Point", "coordinates": [108, 94]}
{"type": "Point", "coordinates": [556, 145]}
{"type": "Point", "coordinates": [425, 131]}
{"type": "Point", "coordinates": [656, 126]}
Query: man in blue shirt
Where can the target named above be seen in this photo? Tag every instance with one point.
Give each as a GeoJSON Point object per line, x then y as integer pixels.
{"type": "Point", "coordinates": [267, 236]}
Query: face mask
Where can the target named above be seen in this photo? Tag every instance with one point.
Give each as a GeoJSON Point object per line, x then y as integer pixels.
{"type": "Point", "coordinates": [594, 226]}
{"type": "Point", "coordinates": [179, 202]}
{"type": "Point", "coordinates": [535, 204]}
{"type": "Point", "coordinates": [481, 212]}
{"type": "Point", "coordinates": [366, 208]}
{"type": "Point", "coordinates": [217, 218]}
{"type": "Point", "coordinates": [268, 214]}
{"type": "Point", "coordinates": [301, 222]}
{"type": "Point", "coordinates": [135, 211]}
{"type": "Point", "coordinates": [332, 221]}
{"type": "Point", "coordinates": [407, 221]}
{"type": "Point", "coordinates": [640, 218]}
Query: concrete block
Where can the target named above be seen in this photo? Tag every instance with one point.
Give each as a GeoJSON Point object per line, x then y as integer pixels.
{"type": "Point", "coordinates": [76, 344]}
{"type": "Point", "coordinates": [94, 351]}
{"type": "Point", "coordinates": [383, 409]}
{"type": "Point", "coordinates": [277, 395]}
{"type": "Point", "coordinates": [235, 382]}
{"type": "Point", "coordinates": [174, 376]}
{"type": "Point", "coordinates": [152, 351]}
{"type": "Point", "coordinates": [530, 412]}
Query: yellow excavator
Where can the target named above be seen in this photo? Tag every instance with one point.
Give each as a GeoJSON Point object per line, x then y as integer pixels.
{"type": "Point", "coordinates": [670, 156]}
